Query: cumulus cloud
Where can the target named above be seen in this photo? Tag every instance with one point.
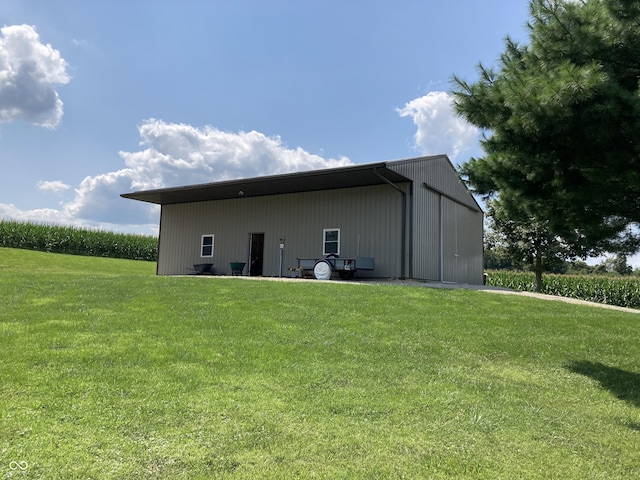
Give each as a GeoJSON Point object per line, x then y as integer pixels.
{"type": "Point", "coordinates": [179, 154]}
{"type": "Point", "coordinates": [29, 73]}
{"type": "Point", "coordinates": [97, 200]}
{"type": "Point", "coordinates": [172, 155]}
{"type": "Point", "coordinates": [439, 129]}
{"type": "Point", "coordinates": [53, 186]}
{"type": "Point", "coordinates": [39, 215]}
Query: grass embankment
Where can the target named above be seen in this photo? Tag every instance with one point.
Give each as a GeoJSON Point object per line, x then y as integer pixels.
{"type": "Point", "coordinates": [107, 371]}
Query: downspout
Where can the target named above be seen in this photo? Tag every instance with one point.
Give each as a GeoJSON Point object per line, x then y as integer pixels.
{"type": "Point", "coordinates": [441, 238]}
{"type": "Point", "coordinates": [403, 236]}
{"type": "Point", "coordinates": [159, 237]}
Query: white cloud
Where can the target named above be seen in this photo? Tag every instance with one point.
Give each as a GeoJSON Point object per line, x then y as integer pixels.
{"type": "Point", "coordinates": [29, 72]}
{"type": "Point", "coordinates": [173, 155]}
{"type": "Point", "coordinates": [53, 186]}
{"type": "Point", "coordinates": [38, 215]}
{"type": "Point", "coordinates": [179, 154]}
{"type": "Point", "coordinates": [440, 130]}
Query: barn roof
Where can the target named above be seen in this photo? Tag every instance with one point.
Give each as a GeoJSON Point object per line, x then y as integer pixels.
{"type": "Point", "coordinates": [326, 179]}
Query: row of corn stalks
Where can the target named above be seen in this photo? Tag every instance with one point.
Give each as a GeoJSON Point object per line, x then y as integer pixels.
{"type": "Point", "coordinates": [77, 241]}
{"type": "Point", "coordinates": [620, 291]}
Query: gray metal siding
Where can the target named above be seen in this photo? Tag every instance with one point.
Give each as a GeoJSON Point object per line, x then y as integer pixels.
{"type": "Point", "coordinates": [426, 235]}
{"type": "Point", "coordinates": [443, 227]}
{"type": "Point", "coordinates": [369, 219]}
{"type": "Point", "coordinates": [438, 172]}
{"type": "Point", "coordinates": [446, 226]}
{"type": "Point", "coordinates": [462, 244]}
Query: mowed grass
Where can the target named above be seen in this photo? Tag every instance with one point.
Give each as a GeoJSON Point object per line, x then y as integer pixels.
{"type": "Point", "coordinates": [107, 371]}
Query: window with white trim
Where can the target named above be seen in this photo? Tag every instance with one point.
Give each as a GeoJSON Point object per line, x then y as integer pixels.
{"type": "Point", "coordinates": [206, 247]}
{"type": "Point", "coordinates": [331, 241]}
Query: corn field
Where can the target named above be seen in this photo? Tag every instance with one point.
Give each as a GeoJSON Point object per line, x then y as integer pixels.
{"type": "Point", "coordinates": [77, 241]}
{"type": "Point", "coordinates": [619, 291]}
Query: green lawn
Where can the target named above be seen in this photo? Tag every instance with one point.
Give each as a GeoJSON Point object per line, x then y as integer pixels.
{"type": "Point", "coordinates": [107, 371]}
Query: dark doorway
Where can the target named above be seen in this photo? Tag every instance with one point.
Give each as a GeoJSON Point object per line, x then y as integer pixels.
{"type": "Point", "coordinates": [256, 253]}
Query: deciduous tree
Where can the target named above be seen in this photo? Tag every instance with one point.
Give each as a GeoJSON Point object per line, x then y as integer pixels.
{"type": "Point", "coordinates": [527, 241]}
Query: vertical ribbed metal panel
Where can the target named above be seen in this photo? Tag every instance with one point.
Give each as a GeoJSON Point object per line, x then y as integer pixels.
{"type": "Point", "coordinates": [426, 235]}
{"type": "Point", "coordinates": [438, 172]}
{"type": "Point", "coordinates": [450, 247]}
{"type": "Point", "coordinates": [369, 219]}
{"type": "Point", "coordinates": [455, 253]}
{"type": "Point", "coordinates": [462, 244]}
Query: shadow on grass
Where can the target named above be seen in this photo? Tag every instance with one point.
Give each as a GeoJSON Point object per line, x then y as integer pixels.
{"type": "Point", "coordinates": [633, 426]}
{"type": "Point", "coordinates": [624, 385]}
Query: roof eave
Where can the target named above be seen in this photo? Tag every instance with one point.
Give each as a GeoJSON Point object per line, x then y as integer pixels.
{"type": "Point", "coordinates": [298, 182]}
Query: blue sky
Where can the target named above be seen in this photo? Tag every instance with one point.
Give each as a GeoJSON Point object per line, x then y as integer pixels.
{"type": "Point", "coordinates": [101, 98]}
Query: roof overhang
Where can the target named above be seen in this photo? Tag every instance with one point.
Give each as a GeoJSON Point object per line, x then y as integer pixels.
{"type": "Point", "coordinates": [327, 179]}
